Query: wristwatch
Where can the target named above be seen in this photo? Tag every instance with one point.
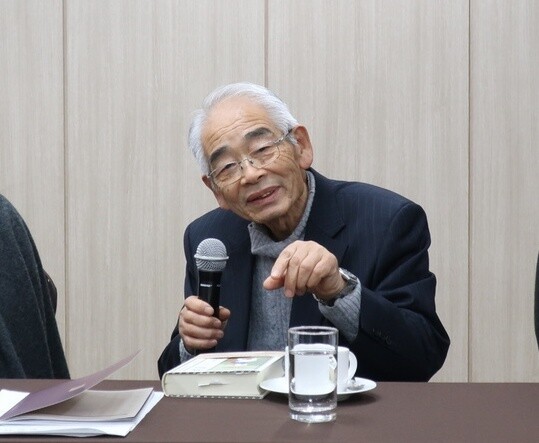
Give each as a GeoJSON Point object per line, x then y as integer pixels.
{"type": "Point", "coordinates": [351, 282]}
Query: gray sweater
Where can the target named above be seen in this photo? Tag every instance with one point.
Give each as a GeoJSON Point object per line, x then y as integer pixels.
{"type": "Point", "coordinates": [270, 310]}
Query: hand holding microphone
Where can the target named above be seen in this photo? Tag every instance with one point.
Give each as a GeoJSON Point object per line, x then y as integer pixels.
{"type": "Point", "coordinates": [199, 329]}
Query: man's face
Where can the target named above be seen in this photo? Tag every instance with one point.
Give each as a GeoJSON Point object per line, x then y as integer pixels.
{"type": "Point", "coordinates": [275, 195]}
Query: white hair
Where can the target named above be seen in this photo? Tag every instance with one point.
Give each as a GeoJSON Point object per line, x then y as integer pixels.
{"type": "Point", "coordinates": [277, 111]}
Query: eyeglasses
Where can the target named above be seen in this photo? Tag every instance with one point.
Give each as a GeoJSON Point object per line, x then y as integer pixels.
{"type": "Point", "coordinates": [226, 172]}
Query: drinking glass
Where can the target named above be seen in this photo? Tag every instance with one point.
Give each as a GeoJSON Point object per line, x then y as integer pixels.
{"type": "Point", "coordinates": [312, 375]}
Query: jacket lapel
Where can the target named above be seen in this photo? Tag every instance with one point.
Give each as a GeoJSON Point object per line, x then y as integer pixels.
{"type": "Point", "coordinates": [324, 226]}
{"type": "Point", "coordinates": [238, 281]}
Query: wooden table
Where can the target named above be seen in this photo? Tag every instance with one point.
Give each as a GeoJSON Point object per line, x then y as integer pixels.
{"type": "Point", "coordinates": [393, 412]}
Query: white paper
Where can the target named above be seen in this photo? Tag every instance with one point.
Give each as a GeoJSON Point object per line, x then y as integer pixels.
{"type": "Point", "coordinates": [63, 390]}
{"type": "Point", "coordinates": [69, 408]}
{"type": "Point", "coordinates": [8, 399]}
{"type": "Point", "coordinates": [70, 428]}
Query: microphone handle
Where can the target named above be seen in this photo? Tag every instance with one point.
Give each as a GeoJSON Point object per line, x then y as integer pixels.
{"type": "Point", "coordinates": [209, 288]}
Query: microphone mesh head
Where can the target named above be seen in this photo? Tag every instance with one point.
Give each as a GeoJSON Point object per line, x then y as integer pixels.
{"type": "Point", "coordinates": [211, 255]}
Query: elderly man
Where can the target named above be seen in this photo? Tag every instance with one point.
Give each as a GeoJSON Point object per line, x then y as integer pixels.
{"type": "Point", "coordinates": [303, 249]}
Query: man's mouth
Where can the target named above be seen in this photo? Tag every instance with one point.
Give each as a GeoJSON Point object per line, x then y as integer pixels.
{"type": "Point", "coordinates": [261, 195]}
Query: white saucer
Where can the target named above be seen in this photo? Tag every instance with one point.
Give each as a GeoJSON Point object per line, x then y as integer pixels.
{"type": "Point", "coordinates": [355, 386]}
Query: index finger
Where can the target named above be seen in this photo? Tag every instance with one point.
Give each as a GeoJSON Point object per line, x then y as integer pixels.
{"type": "Point", "coordinates": [278, 271]}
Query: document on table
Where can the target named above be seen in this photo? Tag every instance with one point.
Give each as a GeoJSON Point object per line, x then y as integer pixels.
{"type": "Point", "coordinates": [69, 408]}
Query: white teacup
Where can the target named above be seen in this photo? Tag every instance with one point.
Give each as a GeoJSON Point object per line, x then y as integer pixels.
{"type": "Point", "coordinates": [314, 364]}
{"type": "Point", "coordinates": [346, 368]}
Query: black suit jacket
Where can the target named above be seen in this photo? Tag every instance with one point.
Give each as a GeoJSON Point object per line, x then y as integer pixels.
{"type": "Point", "coordinates": [379, 236]}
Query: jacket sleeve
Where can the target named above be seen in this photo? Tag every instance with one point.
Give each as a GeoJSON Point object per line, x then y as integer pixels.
{"type": "Point", "coordinates": [170, 357]}
{"type": "Point", "coordinates": [400, 335]}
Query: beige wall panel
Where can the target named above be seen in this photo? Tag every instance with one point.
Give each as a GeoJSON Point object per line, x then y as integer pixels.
{"type": "Point", "coordinates": [383, 88]}
{"type": "Point", "coordinates": [135, 71]}
{"type": "Point", "coordinates": [505, 189]}
{"type": "Point", "coordinates": [32, 126]}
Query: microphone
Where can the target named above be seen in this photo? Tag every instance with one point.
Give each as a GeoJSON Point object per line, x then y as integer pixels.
{"type": "Point", "coordinates": [211, 260]}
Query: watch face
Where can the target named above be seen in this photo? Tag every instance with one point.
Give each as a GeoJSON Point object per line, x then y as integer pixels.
{"type": "Point", "coordinates": [351, 281]}
{"type": "Point", "coordinates": [348, 276]}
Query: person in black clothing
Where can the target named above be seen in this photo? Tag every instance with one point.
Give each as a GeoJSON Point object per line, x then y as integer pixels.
{"type": "Point", "coordinates": [30, 345]}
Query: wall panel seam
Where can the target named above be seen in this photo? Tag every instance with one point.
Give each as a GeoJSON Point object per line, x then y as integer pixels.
{"type": "Point", "coordinates": [469, 298]}
{"type": "Point", "coordinates": [65, 170]}
{"type": "Point", "coordinates": [266, 45]}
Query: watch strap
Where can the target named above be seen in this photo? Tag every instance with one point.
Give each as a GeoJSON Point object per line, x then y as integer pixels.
{"type": "Point", "coordinates": [351, 283]}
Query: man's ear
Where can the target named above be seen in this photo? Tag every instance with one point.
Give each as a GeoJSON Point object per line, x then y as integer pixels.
{"type": "Point", "coordinates": [304, 149]}
{"type": "Point", "coordinates": [216, 192]}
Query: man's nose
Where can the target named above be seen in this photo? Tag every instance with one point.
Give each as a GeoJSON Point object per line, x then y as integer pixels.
{"type": "Point", "coordinates": [249, 172]}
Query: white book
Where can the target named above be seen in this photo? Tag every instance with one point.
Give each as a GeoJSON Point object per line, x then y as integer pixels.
{"type": "Point", "coordinates": [226, 374]}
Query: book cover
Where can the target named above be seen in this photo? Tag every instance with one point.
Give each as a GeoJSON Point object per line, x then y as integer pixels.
{"type": "Point", "coordinates": [62, 391]}
{"type": "Point", "coordinates": [228, 374]}
{"type": "Point", "coordinates": [72, 408]}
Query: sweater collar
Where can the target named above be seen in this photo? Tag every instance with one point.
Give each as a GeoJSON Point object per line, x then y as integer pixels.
{"type": "Point", "coordinates": [261, 242]}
